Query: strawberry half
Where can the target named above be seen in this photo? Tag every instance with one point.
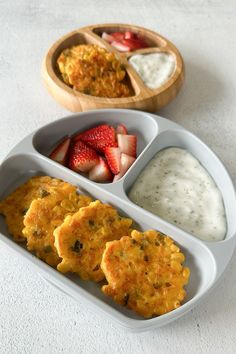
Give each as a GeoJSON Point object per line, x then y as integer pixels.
{"type": "Point", "coordinates": [118, 36]}
{"type": "Point", "coordinates": [127, 144]}
{"type": "Point", "coordinates": [125, 162]}
{"type": "Point", "coordinates": [107, 37]}
{"type": "Point", "coordinates": [82, 157]}
{"type": "Point", "coordinates": [121, 129]}
{"type": "Point", "coordinates": [113, 159]}
{"type": "Point", "coordinates": [59, 154]}
{"type": "Point", "coordinates": [129, 35]}
{"type": "Point", "coordinates": [100, 172]}
{"type": "Point", "coordinates": [99, 137]}
{"type": "Point", "coordinates": [120, 46]}
{"type": "Point", "coordinates": [134, 43]}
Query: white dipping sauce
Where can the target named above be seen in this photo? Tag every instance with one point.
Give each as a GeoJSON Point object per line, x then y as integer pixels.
{"type": "Point", "coordinates": [176, 187]}
{"type": "Point", "coordinates": [155, 69]}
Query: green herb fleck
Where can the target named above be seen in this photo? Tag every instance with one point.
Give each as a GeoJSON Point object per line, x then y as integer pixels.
{"type": "Point", "coordinates": [91, 223]}
{"type": "Point", "coordinates": [156, 285]}
{"type": "Point", "coordinates": [96, 268]}
{"type": "Point", "coordinates": [48, 249]}
{"type": "Point", "coordinates": [37, 233]}
{"type": "Point", "coordinates": [142, 247]}
{"type": "Point", "coordinates": [126, 299]}
{"type": "Point", "coordinates": [44, 193]}
{"type": "Point", "coordinates": [77, 246]}
{"type": "Point", "coordinates": [25, 211]}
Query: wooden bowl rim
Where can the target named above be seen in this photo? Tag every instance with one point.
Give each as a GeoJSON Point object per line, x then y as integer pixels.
{"type": "Point", "coordinates": [144, 91]}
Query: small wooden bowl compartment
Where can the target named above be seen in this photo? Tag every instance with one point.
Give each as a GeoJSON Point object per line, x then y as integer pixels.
{"type": "Point", "coordinates": [143, 98]}
{"type": "Point", "coordinates": [150, 37]}
{"type": "Point", "coordinates": [76, 39]}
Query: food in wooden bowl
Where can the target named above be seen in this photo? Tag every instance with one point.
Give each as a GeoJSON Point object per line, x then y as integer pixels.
{"type": "Point", "coordinates": [125, 42]}
{"type": "Point", "coordinates": [155, 69]}
{"type": "Point", "coordinates": [93, 67]}
{"type": "Point", "coordinates": [94, 71]}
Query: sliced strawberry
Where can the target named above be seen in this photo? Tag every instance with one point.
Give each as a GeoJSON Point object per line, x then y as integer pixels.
{"type": "Point", "coordinates": [127, 144]}
{"type": "Point", "coordinates": [59, 154]}
{"type": "Point", "coordinates": [99, 137]}
{"type": "Point", "coordinates": [129, 35]}
{"type": "Point", "coordinates": [100, 132]}
{"type": "Point", "coordinates": [101, 172]}
{"type": "Point", "coordinates": [118, 36]}
{"type": "Point", "coordinates": [82, 157]}
{"type": "Point", "coordinates": [120, 46]}
{"type": "Point", "coordinates": [121, 129]}
{"type": "Point", "coordinates": [113, 159]}
{"type": "Point", "coordinates": [125, 162]}
{"type": "Point", "coordinates": [107, 37]}
{"type": "Point", "coordinates": [134, 43]}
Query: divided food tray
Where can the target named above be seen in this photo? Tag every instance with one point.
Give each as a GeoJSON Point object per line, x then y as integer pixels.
{"type": "Point", "coordinates": [206, 260]}
{"type": "Point", "coordinates": [143, 98]}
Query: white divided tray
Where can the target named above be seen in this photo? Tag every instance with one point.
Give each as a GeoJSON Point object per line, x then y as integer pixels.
{"type": "Point", "coordinates": [206, 260]}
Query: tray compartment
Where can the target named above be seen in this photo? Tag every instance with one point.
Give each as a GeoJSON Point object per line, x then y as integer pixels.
{"type": "Point", "coordinates": [17, 169]}
{"type": "Point", "coordinates": [152, 39]}
{"type": "Point", "coordinates": [77, 38]}
{"type": "Point", "coordinates": [148, 51]}
{"type": "Point", "coordinates": [186, 140]}
{"type": "Point", "coordinates": [140, 124]}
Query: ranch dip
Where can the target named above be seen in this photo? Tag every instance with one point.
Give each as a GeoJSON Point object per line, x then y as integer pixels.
{"type": "Point", "coordinates": [154, 69]}
{"type": "Point", "coordinates": [176, 187]}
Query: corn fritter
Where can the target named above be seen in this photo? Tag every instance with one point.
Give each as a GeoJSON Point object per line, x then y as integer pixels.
{"type": "Point", "coordinates": [145, 273]}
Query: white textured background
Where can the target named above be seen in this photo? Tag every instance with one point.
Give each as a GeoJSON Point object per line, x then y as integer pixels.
{"type": "Point", "coordinates": [35, 318]}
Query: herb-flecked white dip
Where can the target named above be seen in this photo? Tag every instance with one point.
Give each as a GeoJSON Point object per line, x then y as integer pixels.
{"type": "Point", "coordinates": [176, 187]}
{"type": "Point", "coordinates": [154, 69]}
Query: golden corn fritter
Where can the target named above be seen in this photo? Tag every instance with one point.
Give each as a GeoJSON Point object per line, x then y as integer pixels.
{"type": "Point", "coordinates": [81, 239]}
{"type": "Point", "coordinates": [94, 71]}
{"type": "Point", "coordinates": [145, 273]}
{"type": "Point", "coordinates": [15, 206]}
{"type": "Point", "coordinates": [44, 215]}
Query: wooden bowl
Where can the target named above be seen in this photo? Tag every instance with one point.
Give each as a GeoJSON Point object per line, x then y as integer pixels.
{"type": "Point", "coordinates": [144, 98]}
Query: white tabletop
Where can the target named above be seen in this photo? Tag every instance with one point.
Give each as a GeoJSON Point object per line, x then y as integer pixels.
{"type": "Point", "coordinates": [35, 318]}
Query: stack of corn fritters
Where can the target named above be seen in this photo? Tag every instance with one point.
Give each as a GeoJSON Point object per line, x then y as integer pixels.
{"type": "Point", "coordinates": [71, 232]}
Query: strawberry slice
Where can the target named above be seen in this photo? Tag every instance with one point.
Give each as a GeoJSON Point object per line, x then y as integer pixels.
{"type": "Point", "coordinates": [113, 159]}
{"type": "Point", "coordinates": [99, 137]}
{"type": "Point", "coordinates": [82, 157]}
{"type": "Point", "coordinates": [59, 154]}
{"type": "Point", "coordinates": [118, 36]}
{"type": "Point", "coordinates": [100, 172]}
{"type": "Point", "coordinates": [127, 144]}
{"type": "Point", "coordinates": [134, 43]}
{"type": "Point", "coordinates": [107, 37]}
{"type": "Point", "coordinates": [129, 35]}
{"type": "Point", "coordinates": [121, 129]}
{"type": "Point", "coordinates": [125, 162]}
{"type": "Point", "coordinates": [120, 46]}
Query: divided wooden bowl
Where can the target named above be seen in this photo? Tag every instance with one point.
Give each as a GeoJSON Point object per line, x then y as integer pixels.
{"type": "Point", "coordinates": [144, 98]}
